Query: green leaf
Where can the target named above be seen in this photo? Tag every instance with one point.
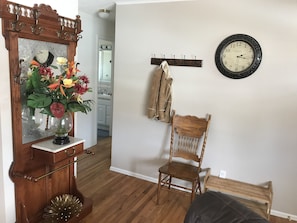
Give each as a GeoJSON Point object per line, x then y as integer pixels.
{"type": "Point", "coordinates": [79, 107]}
{"type": "Point", "coordinates": [46, 111]}
{"type": "Point", "coordinates": [54, 66]}
{"type": "Point", "coordinates": [36, 100]}
{"type": "Point", "coordinates": [29, 85]}
{"type": "Point", "coordinates": [87, 104]}
{"type": "Point", "coordinates": [35, 78]}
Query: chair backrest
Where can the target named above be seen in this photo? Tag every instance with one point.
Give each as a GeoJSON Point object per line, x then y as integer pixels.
{"type": "Point", "coordinates": [188, 137]}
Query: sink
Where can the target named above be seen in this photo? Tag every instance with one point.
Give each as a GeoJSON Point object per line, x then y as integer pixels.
{"type": "Point", "coordinates": [104, 96]}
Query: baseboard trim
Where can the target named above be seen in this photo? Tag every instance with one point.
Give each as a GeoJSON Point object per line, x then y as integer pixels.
{"type": "Point", "coordinates": [154, 180]}
{"type": "Point", "coordinates": [132, 174]}
{"type": "Point", "coordinates": [284, 215]}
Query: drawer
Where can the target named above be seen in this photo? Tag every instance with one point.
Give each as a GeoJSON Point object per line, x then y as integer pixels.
{"type": "Point", "coordinates": [108, 109]}
{"type": "Point", "coordinates": [53, 158]}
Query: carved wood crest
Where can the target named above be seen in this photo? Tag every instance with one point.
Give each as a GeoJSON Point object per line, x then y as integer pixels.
{"type": "Point", "coordinates": [39, 20]}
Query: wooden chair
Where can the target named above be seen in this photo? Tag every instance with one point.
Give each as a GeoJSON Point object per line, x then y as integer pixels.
{"type": "Point", "coordinates": [187, 145]}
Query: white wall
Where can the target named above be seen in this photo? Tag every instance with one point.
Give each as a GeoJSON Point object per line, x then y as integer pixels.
{"type": "Point", "coordinates": [67, 8]}
{"type": "Point", "coordinates": [94, 29]}
{"type": "Point", "coordinates": [253, 130]}
{"type": "Point", "coordinates": [7, 207]}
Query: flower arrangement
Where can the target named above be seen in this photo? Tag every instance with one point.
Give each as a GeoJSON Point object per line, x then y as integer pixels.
{"type": "Point", "coordinates": [57, 94]}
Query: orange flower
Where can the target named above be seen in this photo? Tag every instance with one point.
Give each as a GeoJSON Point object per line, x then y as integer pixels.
{"type": "Point", "coordinates": [62, 91]}
{"type": "Point", "coordinates": [35, 63]}
{"type": "Point", "coordinates": [54, 85]}
{"type": "Point", "coordinates": [71, 70]}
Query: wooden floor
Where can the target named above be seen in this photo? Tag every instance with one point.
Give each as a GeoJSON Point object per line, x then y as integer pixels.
{"type": "Point", "coordinates": [122, 199]}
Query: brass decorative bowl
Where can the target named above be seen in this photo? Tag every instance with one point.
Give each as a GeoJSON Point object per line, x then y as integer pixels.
{"type": "Point", "coordinates": [62, 208]}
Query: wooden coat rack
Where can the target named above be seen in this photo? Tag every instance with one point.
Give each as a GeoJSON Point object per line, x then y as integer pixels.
{"type": "Point", "coordinates": [39, 176]}
{"type": "Point", "coordinates": [177, 62]}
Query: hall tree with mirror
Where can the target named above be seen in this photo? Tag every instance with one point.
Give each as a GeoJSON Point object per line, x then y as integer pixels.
{"type": "Point", "coordinates": [105, 77]}
{"type": "Point", "coordinates": [39, 175]}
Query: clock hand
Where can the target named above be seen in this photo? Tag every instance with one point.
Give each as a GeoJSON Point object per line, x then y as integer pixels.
{"type": "Point", "coordinates": [241, 56]}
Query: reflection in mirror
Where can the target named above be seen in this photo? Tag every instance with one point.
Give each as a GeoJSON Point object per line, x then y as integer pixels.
{"type": "Point", "coordinates": [105, 78]}
{"type": "Point", "coordinates": [36, 125]}
{"type": "Point", "coordinates": [105, 61]}
{"type": "Point", "coordinates": [105, 65]}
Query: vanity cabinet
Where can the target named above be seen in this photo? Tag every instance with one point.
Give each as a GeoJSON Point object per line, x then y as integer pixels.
{"type": "Point", "coordinates": [104, 113]}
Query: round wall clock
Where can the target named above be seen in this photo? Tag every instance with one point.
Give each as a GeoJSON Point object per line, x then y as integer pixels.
{"type": "Point", "coordinates": [238, 56]}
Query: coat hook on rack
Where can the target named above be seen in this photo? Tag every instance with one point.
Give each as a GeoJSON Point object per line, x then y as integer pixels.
{"type": "Point", "coordinates": [177, 62]}
{"type": "Point", "coordinates": [17, 78]}
{"type": "Point", "coordinates": [17, 25]}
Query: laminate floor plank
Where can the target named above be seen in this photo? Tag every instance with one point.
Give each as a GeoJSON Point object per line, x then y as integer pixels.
{"type": "Point", "coordinates": [118, 198]}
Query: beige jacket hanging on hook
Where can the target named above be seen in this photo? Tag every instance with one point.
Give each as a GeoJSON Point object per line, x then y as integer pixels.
{"type": "Point", "coordinates": [160, 94]}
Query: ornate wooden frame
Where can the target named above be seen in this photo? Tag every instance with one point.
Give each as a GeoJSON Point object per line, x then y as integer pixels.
{"type": "Point", "coordinates": [42, 23]}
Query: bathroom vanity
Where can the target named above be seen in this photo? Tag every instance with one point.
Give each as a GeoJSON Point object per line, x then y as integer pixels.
{"type": "Point", "coordinates": [104, 112]}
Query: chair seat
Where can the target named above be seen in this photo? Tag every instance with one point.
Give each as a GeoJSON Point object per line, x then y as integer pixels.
{"type": "Point", "coordinates": [180, 170]}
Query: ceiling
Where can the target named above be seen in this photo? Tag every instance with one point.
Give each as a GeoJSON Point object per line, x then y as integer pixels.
{"type": "Point", "coordinates": [92, 6]}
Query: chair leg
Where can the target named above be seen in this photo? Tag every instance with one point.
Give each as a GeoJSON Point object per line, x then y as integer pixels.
{"type": "Point", "coordinates": [169, 185]}
{"type": "Point", "coordinates": [199, 184]}
{"type": "Point", "coordinates": [194, 185]}
{"type": "Point", "coordinates": [159, 187]}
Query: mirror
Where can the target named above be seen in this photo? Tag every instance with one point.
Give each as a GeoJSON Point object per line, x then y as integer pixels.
{"type": "Point", "coordinates": [105, 61]}
{"type": "Point", "coordinates": [34, 124]}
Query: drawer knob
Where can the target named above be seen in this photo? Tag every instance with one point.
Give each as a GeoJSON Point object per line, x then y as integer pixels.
{"type": "Point", "coordinates": [70, 154]}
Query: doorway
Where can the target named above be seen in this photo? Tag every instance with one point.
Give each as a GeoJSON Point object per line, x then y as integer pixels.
{"type": "Point", "coordinates": [105, 77]}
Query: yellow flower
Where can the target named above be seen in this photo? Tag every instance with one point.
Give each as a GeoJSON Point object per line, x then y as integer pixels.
{"type": "Point", "coordinates": [68, 83]}
{"type": "Point", "coordinates": [29, 73]}
{"type": "Point", "coordinates": [62, 61]}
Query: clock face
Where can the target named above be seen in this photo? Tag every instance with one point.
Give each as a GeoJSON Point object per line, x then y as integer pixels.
{"type": "Point", "coordinates": [238, 56]}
